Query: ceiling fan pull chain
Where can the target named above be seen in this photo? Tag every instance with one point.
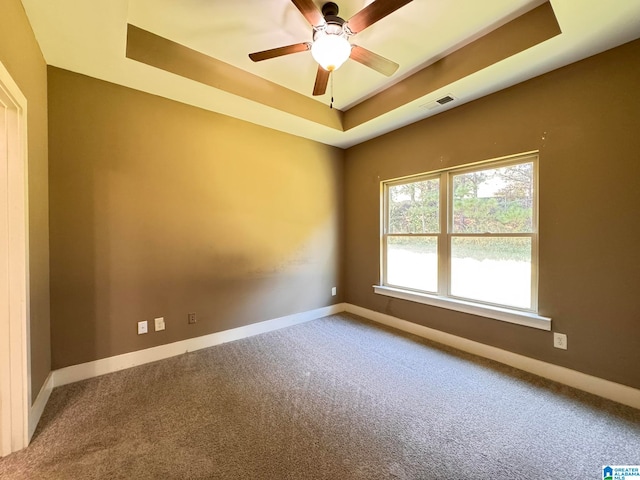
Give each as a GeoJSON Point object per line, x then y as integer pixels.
{"type": "Point", "coordinates": [331, 104]}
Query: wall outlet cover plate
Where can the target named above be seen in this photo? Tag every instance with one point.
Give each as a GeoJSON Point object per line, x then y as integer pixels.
{"type": "Point", "coordinates": [560, 340]}
{"type": "Point", "coordinates": [159, 323]}
{"type": "Point", "coordinates": [142, 327]}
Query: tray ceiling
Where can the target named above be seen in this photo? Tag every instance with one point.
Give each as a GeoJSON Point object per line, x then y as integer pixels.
{"type": "Point", "coordinates": [436, 42]}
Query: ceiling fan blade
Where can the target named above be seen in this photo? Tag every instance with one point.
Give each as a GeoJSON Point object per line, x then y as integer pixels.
{"type": "Point", "coordinates": [309, 10]}
{"type": "Point", "coordinates": [280, 51]}
{"type": "Point", "coordinates": [322, 79]}
{"type": "Point", "coordinates": [374, 12]}
{"type": "Point", "coordinates": [373, 60]}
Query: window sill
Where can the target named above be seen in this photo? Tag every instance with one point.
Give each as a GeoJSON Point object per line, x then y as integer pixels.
{"type": "Point", "coordinates": [497, 313]}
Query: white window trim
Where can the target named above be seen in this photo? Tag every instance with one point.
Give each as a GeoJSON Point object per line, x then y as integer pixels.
{"type": "Point", "coordinates": [497, 313]}
{"type": "Point", "coordinates": [528, 318]}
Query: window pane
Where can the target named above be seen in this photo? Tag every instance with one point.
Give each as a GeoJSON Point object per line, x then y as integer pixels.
{"type": "Point", "coordinates": [414, 207]}
{"type": "Point", "coordinates": [495, 270]}
{"type": "Point", "coordinates": [413, 263]}
{"type": "Point", "coordinates": [497, 200]}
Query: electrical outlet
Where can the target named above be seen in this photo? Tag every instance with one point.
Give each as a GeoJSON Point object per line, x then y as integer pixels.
{"type": "Point", "coordinates": [334, 291]}
{"type": "Point", "coordinates": [142, 327]}
{"type": "Point", "coordinates": [192, 317]}
{"type": "Point", "coordinates": [560, 340]}
{"type": "Point", "coordinates": [159, 323]}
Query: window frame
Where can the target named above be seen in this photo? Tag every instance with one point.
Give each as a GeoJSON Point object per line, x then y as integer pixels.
{"type": "Point", "coordinates": [443, 297]}
{"type": "Point", "coordinates": [385, 216]}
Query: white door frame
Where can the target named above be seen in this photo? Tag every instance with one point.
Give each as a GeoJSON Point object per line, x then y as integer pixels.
{"type": "Point", "coordinates": [15, 368]}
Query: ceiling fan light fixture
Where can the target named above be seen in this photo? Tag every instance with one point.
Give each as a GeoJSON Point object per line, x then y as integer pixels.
{"type": "Point", "coordinates": [330, 50]}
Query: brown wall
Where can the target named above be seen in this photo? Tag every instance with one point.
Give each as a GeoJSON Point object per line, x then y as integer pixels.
{"type": "Point", "coordinates": [21, 56]}
{"type": "Point", "coordinates": [585, 121]}
{"type": "Point", "coordinates": [160, 209]}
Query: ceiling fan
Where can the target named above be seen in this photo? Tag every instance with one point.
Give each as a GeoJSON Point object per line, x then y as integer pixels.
{"type": "Point", "coordinates": [330, 46]}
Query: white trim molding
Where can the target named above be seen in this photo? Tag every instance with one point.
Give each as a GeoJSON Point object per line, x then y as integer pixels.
{"type": "Point", "coordinates": [597, 386]}
{"type": "Point", "coordinates": [38, 406]}
{"type": "Point", "coordinates": [103, 366]}
{"type": "Point", "coordinates": [527, 319]}
{"type": "Point", "coordinates": [15, 368]}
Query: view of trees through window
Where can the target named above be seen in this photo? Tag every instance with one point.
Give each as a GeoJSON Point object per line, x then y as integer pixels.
{"type": "Point", "coordinates": [489, 234]}
{"type": "Point", "coordinates": [498, 200]}
{"type": "Point", "coordinates": [415, 207]}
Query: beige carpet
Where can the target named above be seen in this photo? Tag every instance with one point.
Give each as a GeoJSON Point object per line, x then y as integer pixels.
{"type": "Point", "coordinates": [336, 398]}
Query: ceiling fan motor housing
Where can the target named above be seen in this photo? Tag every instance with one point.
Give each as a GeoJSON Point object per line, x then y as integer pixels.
{"type": "Point", "coordinates": [333, 23]}
{"type": "Point", "coordinates": [330, 9]}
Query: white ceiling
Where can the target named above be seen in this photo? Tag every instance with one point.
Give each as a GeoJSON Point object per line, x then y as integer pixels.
{"type": "Point", "coordinates": [90, 38]}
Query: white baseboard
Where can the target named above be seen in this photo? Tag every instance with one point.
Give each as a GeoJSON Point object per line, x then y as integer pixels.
{"type": "Point", "coordinates": [597, 386]}
{"type": "Point", "coordinates": [35, 411]}
{"type": "Point", "coordinates": [103, 366]}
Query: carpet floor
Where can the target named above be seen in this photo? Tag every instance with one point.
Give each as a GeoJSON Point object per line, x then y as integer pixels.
{"type": "Point", "coordinates": [336, 398]}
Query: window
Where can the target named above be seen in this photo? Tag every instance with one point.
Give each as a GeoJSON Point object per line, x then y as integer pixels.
{"type": "Point", "coordinates": [465, 238]}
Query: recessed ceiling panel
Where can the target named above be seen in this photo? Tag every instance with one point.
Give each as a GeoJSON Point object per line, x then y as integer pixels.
{"type": "Point", "coordinates": [413, 36]}
{"type": "Point", "coordinates": [89, 37]}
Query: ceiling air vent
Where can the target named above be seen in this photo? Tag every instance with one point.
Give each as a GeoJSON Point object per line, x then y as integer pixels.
{"type": "Point", "coordinates": [439, 102]}
{"type": "Point", "coordinates": [446, 99]}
